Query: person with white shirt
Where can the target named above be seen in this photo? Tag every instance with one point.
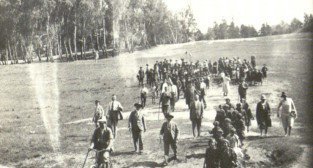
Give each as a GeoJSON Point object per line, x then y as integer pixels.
{"type": "Point", "coordinates": [115, 113]}
{"type": "Point", "coordinates": [173, 90]}
{"type": "Point", "coordinates": [288, 113]}
{"type": "Point", "coordinates": [202, 92]}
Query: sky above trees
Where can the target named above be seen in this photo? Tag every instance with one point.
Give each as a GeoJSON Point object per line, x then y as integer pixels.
{"type": "Point", "coordinates": [248, 12]}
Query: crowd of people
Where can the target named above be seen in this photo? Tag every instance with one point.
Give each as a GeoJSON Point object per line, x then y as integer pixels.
{"type": "Point", "coordinates": [172, 80]}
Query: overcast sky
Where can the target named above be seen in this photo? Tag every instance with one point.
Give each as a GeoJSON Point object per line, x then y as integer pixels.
{"type": "Point", "coordinates": [248, 12]}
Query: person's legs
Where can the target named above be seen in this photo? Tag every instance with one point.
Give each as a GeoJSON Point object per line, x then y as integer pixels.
{"type": "Point", "coordinates": [199, 126]}
{"type": "Point", "coordinates": [193, 123]}
{"type": "Point", "coordinates": [144, 101]}
{"type": "Point", "coordinates": [265, 130]}
{"type": "Point", "coordinates": [284, 120]}
{"type": "Point", "coordinates": [166, 150]}
{"type": "Point", "coordinates": [174, 148]}
{"type": "Point", "coordinates": [135, 139]}
{"type": "Point", "coordinates": [140, 141]}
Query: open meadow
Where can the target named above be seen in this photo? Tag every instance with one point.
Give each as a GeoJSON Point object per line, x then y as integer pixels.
{"type": "Point", "coordinates": [46, 108]}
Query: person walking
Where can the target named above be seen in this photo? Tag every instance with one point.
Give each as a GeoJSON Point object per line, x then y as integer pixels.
{"type": "Point", "coordinates": [141, 76]}
{"type": "Point", "coordinates": [98, 114]}
{"type": "Point", "coordinates": [242, 90]}
{"type": "Point", "coordinates": [226, 80]}
{"type": "Point", "coordinates": [169, 132]}
{"type": "Point", "coordinates": [287, 114]}
{"type": "Point", "coordinates": [137, 125]}
{"type": "Point", "coordinates": [143, 95]}
{"type": "Point", "coordinates": [173, 96]}
{"type": "Point", "coordinates": [263, 115]}
{"type": "Point", "coordinates": [211, 157]}
{"type": "Point", "coordinates": [165, 100]}
{"type": "Point", "coordinates": [196, 115]}
{"type": "Point", "coordinates": [115, 109]}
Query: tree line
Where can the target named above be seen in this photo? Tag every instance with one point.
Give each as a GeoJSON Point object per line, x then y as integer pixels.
{"type": "Point", "coordinates": [74, 29]}
{"type": "Point", "coordinates": [224, 30]}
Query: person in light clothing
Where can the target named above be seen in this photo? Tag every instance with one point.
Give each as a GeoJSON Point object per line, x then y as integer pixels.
{"type": "Point", "coordinates": [173, 99]}
{"type": "Point", "coordinates": [196, 115]}
{"type": "Point", "coordinates": [288, 113]}
{"type": "Point", "coordinates": [98, 114]}
{"type": "Point", "coordinates": [115, 109]}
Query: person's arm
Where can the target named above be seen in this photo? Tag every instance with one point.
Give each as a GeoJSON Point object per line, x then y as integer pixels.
{"type": "Point", "coordinates": [176, 132]}
{"type": "Point", "coordinates": [120, 106]}
{"type": "Point", "coordinates": [110, 141]}
{"type": "Point", "coordinates": [93, 140]}
{"type": "Point", "coordinates": [162, 129]}
{"type": "Point", "coordinates": [293, 108]}
{"type": "Point", "coordinates": [257, 113]}
{"type": "Point", "coordinates": [129, 120]}
{"type": "Point", "coordinates": [144, 123]}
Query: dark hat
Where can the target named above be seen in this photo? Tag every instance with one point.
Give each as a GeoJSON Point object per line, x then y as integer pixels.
{"type": "Point", "coordinates": [97, 101]}
{"type": "Point", "coordinates": [283, 94]}
{"type": "Point", "coordinates": [169, 116]}
{"type": "Point", "coordinates": [227, 98]}
{"type": "Point", "coordinates": [216, 123]}
{"type": "Point", "coordinates": [137, 105]}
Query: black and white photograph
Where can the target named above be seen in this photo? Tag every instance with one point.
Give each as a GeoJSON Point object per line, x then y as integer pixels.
{"type": "Point", "coordinates": [156, 83]}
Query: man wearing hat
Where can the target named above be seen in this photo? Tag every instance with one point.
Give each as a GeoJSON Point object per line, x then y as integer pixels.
{"type": "Point", "coordinates": [98, 114]}
{"type": "Point", "coordinates": [137, 124]}
{"type": "Point", "coordinates": [263, 115]}
{"type": "Point", "coordinates": [170, 133]}
{"type": "Point", "coordinates": [288, 113]}
{"type": "Point", "coordinates": [102, 139]}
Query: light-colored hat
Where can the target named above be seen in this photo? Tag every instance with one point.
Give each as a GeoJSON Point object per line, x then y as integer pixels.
{"type": "Point", "coordinates": [102, 120]}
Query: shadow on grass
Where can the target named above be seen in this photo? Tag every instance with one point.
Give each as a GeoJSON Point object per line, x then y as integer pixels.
{"type": "Point", "coordinates": [146, 164]}
{"type": "Point", "coordinates": [123, 153]}
{"type": "Point", "coordinates": [197, 156]}
{"type": "Point", "coordinates": [251, 138]}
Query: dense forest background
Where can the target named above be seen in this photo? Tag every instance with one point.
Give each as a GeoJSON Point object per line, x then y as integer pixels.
{"type": "Point", "coordinates": [75, 29]}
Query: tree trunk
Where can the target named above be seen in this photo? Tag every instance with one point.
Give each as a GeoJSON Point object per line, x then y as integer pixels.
{"type": "Point", "coordinates": [74, 38]}
{"type": "Point", "coordinates": [10, 52]}
{"type": "Point", "coordinates": [60, 48]}
{"type": "Point", "coordinates": [104, 46]}
{"type": "Point", "coordinates": [66, 50]}
{"type": "Point", "coordinates": [70, 49]}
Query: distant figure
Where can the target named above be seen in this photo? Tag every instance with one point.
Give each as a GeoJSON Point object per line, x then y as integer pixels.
{"type": "Point", "coordinates": [141, 76]}
{"type": "Point", "coordinates": [264, 71]}
{"type": "Point", "coordinates": [143, 95]}
{"type": "Point", "coordinates": [263, 115]}
{"type": "Point", "coordinates": [165, 101]}
{"type": "Point", "coordinates": [115, 113]}
{"type": "Point", "coordinates": [136, 125]}
{"type": "Point", "coordinates": [96, 52]}
{"type": "Point", "coordinates": [173, 96]}
{"type": "Point", "coordinates": [170, 133]}
{"type": "Point", "coordinates": [253, 63]}
{"type": "Point", "coordinates": [242, 90]}
{"type": "Point", "coordinates": [226, 80]}
{"type": "Point", "coordinates": [196, 115]}
{"type": "Point", "coordinates": [288, 113]}
{"type": "Point", "coordinates": [211, 159]}
{"type": "Point", "coordinates": [154, 93]}
{"type": "Point", "coordinates": [98, 114]}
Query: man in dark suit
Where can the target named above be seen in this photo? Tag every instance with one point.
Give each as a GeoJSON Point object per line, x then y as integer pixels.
{"type": "Point", "coordinates": [196, 115]}
{"type": "Point", "coordinates": [170, 133]}
{"type": "Point", "coordinates": [141, 76]}
{"type": "Point", "coordinates": [137, 124]}
{"type": "Point", "coordinates": [263, 115]}
{"type": "Point", "coordinates": [242, 90]}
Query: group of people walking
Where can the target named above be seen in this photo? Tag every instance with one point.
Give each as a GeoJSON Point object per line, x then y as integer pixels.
{"type": "Point", "coordinates": [169, 81]}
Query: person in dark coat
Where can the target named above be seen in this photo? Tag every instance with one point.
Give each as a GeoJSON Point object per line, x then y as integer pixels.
{"type": "Point", "coordinates": [245, 111]}
{"type": "Point", "coordinates": [239, 125]}
{"type": "Point", "coordinates": [196, 115]}
{"type": "Point", "coordinates": [211, 159]}
{"type": "Point", "coordinates": [137, 125]}
{"type": "Point", "coordinates": [170, 133]}
{"type": "Point", "coordinates": [264, 71]}
{"type": "Point", "coordinates": [242, 90]}
{"type": "Point", "coordinates": [141, 76]}
{"type": "Point", "coordinates": [263, 115]}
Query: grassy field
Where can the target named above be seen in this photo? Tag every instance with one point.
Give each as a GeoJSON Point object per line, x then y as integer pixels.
{"type": "Point", "coordinates": [39, 102]}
